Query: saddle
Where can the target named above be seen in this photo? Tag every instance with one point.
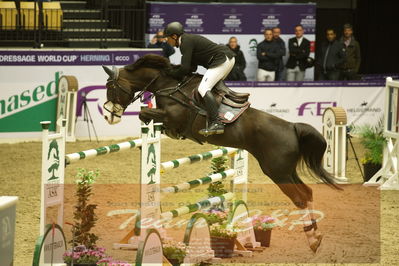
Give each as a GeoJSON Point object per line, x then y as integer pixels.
{"type": "Point", "coordinates": [231, 104]}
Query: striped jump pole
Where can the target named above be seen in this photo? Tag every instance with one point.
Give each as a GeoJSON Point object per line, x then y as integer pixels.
{"type": "Point", "coordinates": [77, 156]}
{"type": "Point", "coordinates": [200, 181]}
{"type": "Point", "coordinates": [197, 158]}
{"type": "Point", "coordinates": [197, 206]}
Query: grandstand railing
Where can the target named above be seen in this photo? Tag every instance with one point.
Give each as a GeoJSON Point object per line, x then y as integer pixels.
{"type": "Point", "coordinates": [129, 16]}
{"type": "Point", "coordinates": [30, 22]}
{"type": "Point", "coordinates": [37, 22]}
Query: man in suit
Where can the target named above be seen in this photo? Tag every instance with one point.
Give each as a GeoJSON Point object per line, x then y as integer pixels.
{"type": "Point", "coordinates": [332, 57]}
{"type": "Point", "coordinates": [299, 50]}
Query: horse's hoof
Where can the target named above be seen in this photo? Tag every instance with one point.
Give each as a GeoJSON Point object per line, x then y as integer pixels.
{"type": "Point", "coordinates": [315, 245]}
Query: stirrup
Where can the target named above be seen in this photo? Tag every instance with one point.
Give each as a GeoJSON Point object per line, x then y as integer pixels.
{"type": "Point", "coordinates": [208, 132]}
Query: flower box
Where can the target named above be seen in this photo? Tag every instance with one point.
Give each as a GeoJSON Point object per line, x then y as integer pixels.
{"type": "Point", "coordinates": [263, 236]}
{"type": "Point", "coordinates": [223, 247]}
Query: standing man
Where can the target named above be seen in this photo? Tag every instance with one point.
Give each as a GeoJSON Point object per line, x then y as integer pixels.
{"type": "Point", "coordinates": [280, 68]}
{"type": "Point", "coordinates": [351, 66]}
{"type": "Point", "coordinates": [159, 41]}
{"type": "Point", "coordinates": [237, 73]}
{"type": "Point", "coordinates": [299, 50]}
{"type": "Point", "coordinates": [268, 53]}
{"type": "Point", "coordinates": [332, 57]}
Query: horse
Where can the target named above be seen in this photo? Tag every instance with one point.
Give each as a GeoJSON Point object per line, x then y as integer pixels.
{"type": "Point", "coordinates": [278, 145]}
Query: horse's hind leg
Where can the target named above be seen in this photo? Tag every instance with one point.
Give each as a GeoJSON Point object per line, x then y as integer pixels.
{"type": "Point", "coordinates": [309, 220]}
{"type": "Point", "coordinates": [300, 194]}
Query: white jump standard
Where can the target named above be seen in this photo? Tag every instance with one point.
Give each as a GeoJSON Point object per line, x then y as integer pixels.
{"type": "Point", "coordinates": [334, 131]}
{"type": "Point", "coordinates": [51, 244]}
{"type": "Point", "coordinates": [387, 178]}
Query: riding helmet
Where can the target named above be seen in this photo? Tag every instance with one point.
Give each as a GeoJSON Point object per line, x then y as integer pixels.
{"type": "Point", "coordinates": [174, 28]}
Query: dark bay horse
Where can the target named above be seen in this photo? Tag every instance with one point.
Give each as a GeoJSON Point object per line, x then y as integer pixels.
{"type": "Point", "coordinates": [278, 145]}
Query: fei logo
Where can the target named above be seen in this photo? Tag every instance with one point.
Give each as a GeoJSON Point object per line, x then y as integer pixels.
{"type": "Point", "coordinates": [314, 108]}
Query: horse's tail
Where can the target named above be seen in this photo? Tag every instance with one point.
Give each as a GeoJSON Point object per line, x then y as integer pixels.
{"type": "Point", "coordinates": [312, 146]}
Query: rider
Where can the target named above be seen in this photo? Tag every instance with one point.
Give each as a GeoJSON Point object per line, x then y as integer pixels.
{"type": "Point", "coordinates": [198, 50]}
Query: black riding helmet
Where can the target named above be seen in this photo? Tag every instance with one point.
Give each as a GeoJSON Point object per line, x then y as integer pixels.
{"type": "Point", "coordinates": [174, 28]}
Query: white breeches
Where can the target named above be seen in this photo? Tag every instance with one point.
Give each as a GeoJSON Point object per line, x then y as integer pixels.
{"type": "Point", "coordinates": [214, 75]}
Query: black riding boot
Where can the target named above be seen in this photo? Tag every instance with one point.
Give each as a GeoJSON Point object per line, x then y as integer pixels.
{"type": "Point", "coordinates": [215, 126]}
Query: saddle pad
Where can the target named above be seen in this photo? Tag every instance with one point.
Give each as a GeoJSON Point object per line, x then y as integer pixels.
{"type": "Point", "coordinates": [228, 114]}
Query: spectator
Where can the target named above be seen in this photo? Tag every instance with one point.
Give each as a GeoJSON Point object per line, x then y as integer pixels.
{"type": "Point", "coordinates": [299, 50]}
{"type": "Point", "coordinates": [237, 73]}
{"type": "Point", "coordinates": [331, 58]}
{"type": "Point", "coordinates": [159, 41]}
{"type": "Point", "coordinates": [268, 53]}
{"type": "Point", "coordinates": [351, 66]}
{"type": "Point", "coordinates": [281, 43]}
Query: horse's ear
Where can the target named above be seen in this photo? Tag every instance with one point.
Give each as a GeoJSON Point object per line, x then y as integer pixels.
{"type": "Point", "coordinates": [115, 70]}
{"type": "Point", "coordinates": [110, 73]}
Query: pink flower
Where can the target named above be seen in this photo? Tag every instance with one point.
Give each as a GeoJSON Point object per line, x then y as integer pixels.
{"type": "Point", "coordinates": [67, 254]}
{"type": "Point", "coordinates": [102, 250]}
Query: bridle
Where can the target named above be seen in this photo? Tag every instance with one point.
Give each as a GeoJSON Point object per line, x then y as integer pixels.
{"type": "Point", "coordinates": [112, 83]}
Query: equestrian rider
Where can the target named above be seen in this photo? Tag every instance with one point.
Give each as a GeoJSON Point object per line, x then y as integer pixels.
{"type": "Point", "coordinates": [217, 59]}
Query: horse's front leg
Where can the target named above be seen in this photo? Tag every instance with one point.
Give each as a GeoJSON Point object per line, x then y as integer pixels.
{"type": "Point", "coordinates": [148, 114]}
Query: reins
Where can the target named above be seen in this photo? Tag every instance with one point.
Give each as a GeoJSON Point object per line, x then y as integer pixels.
{"type": "Point", "coordinates": [169, 93]}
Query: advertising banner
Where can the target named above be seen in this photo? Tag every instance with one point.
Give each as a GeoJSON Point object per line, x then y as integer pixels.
{"type": "Point", "coordinates": [220, 21]}
{"type": "Point", "coordinates": [306, 102]}
{"type": "Point", "coordinates": [28, 88]}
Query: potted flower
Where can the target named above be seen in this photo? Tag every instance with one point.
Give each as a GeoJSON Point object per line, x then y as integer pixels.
{"type": "Point", "coordinates": [373, 140]}
{"type": "Point", "coordinates": [223, 238]}
{"type": "Point", "coordinates": [175, 252]}
{"type": "Point", "coordinates": [263, 226]}
{"type": "Point", "coordinates": [80, 255]}
{"type": "Point", "coordinates": [84, 249]}
{"type": "Point", "coordinates": [216, 215]}
{"type": "Point", "coordinates": [95, 256]}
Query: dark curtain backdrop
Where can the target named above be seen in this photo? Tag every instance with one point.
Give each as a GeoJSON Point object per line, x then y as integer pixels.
{"type": "Point", "coordinates": [377, 31]}
{"type": "Point", "coordinates": [375, 27]}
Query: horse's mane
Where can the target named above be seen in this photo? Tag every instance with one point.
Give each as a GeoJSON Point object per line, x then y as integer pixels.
{"type": "Point", "coordinates": [150, 61]}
